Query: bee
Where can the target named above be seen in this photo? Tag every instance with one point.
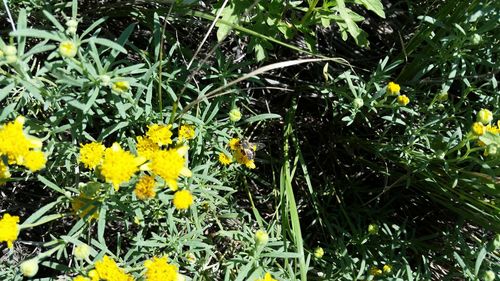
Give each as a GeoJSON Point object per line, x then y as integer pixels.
{"type": "Point", "coordinates": [248, 148]}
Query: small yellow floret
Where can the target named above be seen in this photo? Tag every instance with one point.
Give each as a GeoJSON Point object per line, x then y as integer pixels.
{"type": "Point", "coordinates": [158, 269]}
{"type": "Point", "coordinates": [169, 164]}
{"type": "Point", "coordinates": [120, 86]}
{"type": "Point", "coordinates": [375, 271]}
{"type": "Point", "coordinates": [478, 129]}
{"type": "Point", "coordinates": [145, 188]}
{"type": "Point", "coordinates": [183, 199]}
{"type": "Point", "coordinates": [267, 277]}
{"type": "Point", "coordinates": [118, 165]}
{"type": "Point", "coordinates": [234, 143]}
{"type": "Point", "coordinates": [393, 89]}
{"type": "Point", "coordinates": [146, 147]}
{"type": "Point", "coordinates": [68, 49]}
{"type": "Point", "coordinates": [34, 160]}
{"type": "Point", "coordinates": [108, 270]}
{"type": "Point", "coordinates": [186, 132]}
{"type": "Point", "coordinates": [4, 172]}
{"type": "Point", "coordinates": [9, 229]}
{"type": "Point", "coordinates": [91, 154]}
{"type": "Point", "coordinates": [403, 100]}
{"type": "Point", "coordinates": [225, 159]}
{"type": "Point", "coordinates": [387, 268]}
{"type": "Point", "coordinates": [160, 134]}
{"type": "Point", "coordinates": [81, 278]}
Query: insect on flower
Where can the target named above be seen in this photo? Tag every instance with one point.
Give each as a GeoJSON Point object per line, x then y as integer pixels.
{"type": "Point", "coordinates": [248, 148]}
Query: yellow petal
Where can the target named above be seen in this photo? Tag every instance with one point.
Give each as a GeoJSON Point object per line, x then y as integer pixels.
{"type": "Point", "coordinates": [185, 172]}
{"type": "Point", "coordinates": [183, 150]}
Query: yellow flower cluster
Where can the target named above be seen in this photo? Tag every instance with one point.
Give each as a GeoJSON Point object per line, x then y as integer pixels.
{"type": "Point", "coordinates": [186, 132]}
{"type": "Point", "coordinates": [482, 128]}
{"type": "Point", "coordinates": [145, 188]}
{"type": "Point", "coordinates": [267, 277]}
{"type": "Point", "coordinates": [240, 154]}
{"type": "Point", "coordinates": [375, 271]}
{"type": "Point", "coordinates": [9, 229]}
{"type": "Point", "coordinates": [116, 165]}
{"type": "Point", "coordinates": [183, 199]}
{"type": "Point", "coordinates": [19, 148]}
{"type": "Point", "coordinates": [107, 269]}
{"type": "Point", "coordinates": [393, 89]}
{"type": "Point", "coordinates": [158, 269]}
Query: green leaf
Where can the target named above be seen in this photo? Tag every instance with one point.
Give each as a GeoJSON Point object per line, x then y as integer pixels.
{"type": "Point", "coordinates": [374, 6]}
{"type": "Point", "coordinates": [229, 16]}
{"type": "Point", "coordinates": [479, 260]}
{"type": "Point", "coordinates": [108, 43]}
{"type": "Point", "coordinates": [36, 33]}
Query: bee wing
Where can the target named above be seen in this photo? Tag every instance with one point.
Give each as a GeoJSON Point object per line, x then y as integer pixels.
{"type": "Point", "coordinates": [258, 146]}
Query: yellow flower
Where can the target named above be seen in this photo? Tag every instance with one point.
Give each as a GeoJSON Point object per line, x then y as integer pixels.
{"type": "Point", "coordinates": [393, 89]}
{"type": "Point", "coordinates": [160, 134]}
{"type": "Point", "coordinates": [243, 159]}
{"type": "Point", "coordinates": [118, 165]}
{"type": "Point", "coordinates": [234, 143]}
{"type": "Point", "coordinates": [68, 49]}
{"type": "Point", "coordinates": [484, 116]}
{"type": "Point", "coordinates": [158, 269]}
{"type": "Point", "coordinates": [375, 271]}
{"type": "Point", "coordinates": [9, 229]}
{"type": "Point", "coordinates": [183, 199]}
{"type": "Point", "coordinates": [146, 147]}
{"type": "Point", "coordinates": [14, 143]}
{"type": "Point", "coordinates": [403, 100]}
{"type": "Point", "coordinates": [319, 252]}
{"type": "Point", "coordinates": [108, 270]}
{"type": "Point", "coordinates": [387, 268]}
{"type": "Point", "coordinates": [91, 154]}
{"type": "Point", "coordinates": [478, 129]}
{"type": "Point", "coordinates": [94, 275]}
{"type": "Point", "coordinates": [186, 132]}
{"type": "Point", "coordinates": [235, 115]}
{"type": "Point", "coordinates": [225, 159]}
{"type": "Point", "coordinates": [81, 278]}
{"type": "Point", "coordinates": [83, 207]}
{"type": "Point", "coordinates": [34, 160]}
{"type": "Point", "coordinates": [145, 188]}
{"type": "Point", "coordinates": [169, 164]}
{"type": "Point", "coordinates": [267, 277]}
{"type": "Point", "coordinates": [494, 129]}
{"type": "Point", "coordinates": [120, 86]}
{"type": "Point", "coordinates": [4, 172]}
{"type": "Point", "coordinates": [261, 237]}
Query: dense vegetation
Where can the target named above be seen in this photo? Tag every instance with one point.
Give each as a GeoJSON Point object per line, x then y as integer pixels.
{"type": "Point", "coordinates": [249, 140]}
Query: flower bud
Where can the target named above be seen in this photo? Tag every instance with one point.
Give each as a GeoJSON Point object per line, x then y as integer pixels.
{"type": "Point", "coordinates": [105, 79]}
{"type": "Point", "coordinates": [373, 229]}
{"type": "Point", "coordinates": [319, 252]}
{"type": "Point", "coordinates": [387, 268]}
{"type": "Point", "coordinates": [72, 23]}
{"type": "Point", "coordinates": [358, 103]}
{"type": "Point", "coordinates": [489, 276]}
{"type": "Point", "coordinates": [403, 100]}
{"type": "Point", "coordinates": [82, 251]}
{"type": "Point", "coordinates": [29, 268]}
{"type": "Point", "coordinates": [10, 50]}
{"type": "Point", "coordinates": [443, 96]}
{"type": "Point", "coordinates": [476, 39]}
{"type": "Point", "coordinates": [492, 149]}
{"type": "Point", "coordinates": [68, 49]}
{"type": "Point", "coordinates": [235, 115]}
{"type": "Point", "coordinates": [261, 237]}
{"type": "Point", "coordinates": [484, 116]}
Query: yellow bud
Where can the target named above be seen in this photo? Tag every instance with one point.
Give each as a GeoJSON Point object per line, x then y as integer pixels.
{"type": "Point", "coordinates": [489, 276]}
{"type": "Point", "coordinates": [68, 49]}
{"type": "Point", "coordinates": [373, 229]}
{"type": "Point", "coordinates": [10, 50]}
{"type": "Point", "coordinates": [387, 268]}
{"type": "Point", "coordinates": [403, 100]}
{"type": "Point", "coordinates": [121, 86]}
{"type": "Point", "coordinates": [319, 252]}
{"type": "Point", "coordinates": [484, 116]}
{"type": "Point", "coordinates": [235, 115]}
{"type": "Point", "coordinates": [29, 268]}
{"type": "Point", "coordinates": [82, 251]}
{"type": "Point", "coordinates": [261, 237]}
{"type": "Point", "coordinates": [393, 89]}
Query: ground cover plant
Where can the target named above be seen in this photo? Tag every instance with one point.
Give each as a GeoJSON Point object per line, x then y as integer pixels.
{"type": "Point", "coordinates": [249, 140]}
